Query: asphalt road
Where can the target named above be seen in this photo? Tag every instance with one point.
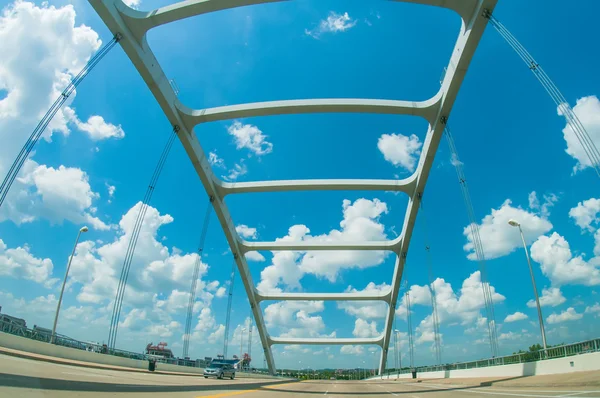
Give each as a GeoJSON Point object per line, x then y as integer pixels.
{"type": "Point", "coordinates": [27, 378]}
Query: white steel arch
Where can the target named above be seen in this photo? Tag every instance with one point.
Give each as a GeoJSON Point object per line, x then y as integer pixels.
{"type": "Point", "coordinates": [133, 26]}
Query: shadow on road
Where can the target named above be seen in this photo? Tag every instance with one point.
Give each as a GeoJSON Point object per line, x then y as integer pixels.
{"type": "Point", "coordinates": [20, 381]}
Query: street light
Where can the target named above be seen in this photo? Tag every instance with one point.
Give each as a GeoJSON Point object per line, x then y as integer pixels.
{"type": "Point", "coordinates": [514, 223]}
{"type": "Point", "coordinates": [241, 349]}
{"type": "Point", "coordinates": [397, 351]}
{"type": "Point", "coordinates": [83, 229]}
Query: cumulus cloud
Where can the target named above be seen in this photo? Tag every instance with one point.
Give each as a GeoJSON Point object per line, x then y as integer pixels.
{"type": "Point", "coordinates": [246, 232]}
{"type": "Point", "coordinates": [364, 329]}
{"type": "Point", "coordinates": [462, 307]}
{"type": "Point", "coordinates": [239, 169]}
{"type": "Point", "coordinates": [96, 127]}
{"type": "Point", "coordinates": [20, 263]}
{"type": "Point", "coordinates": [366, 309]}
{"type": "Point", "coordinates": [400, 150]}
{"type": "Point", "coordinates": [553, 253]}
{"type": "Point", "coordinates": [568, 315]}
{"type": "Point", "coordinates": [585, 214]}
{"type": "Point", "coordinates": [360, 223]}
{"type": "Point", "coordinates": [587, 110]}
{"type": "Point", "coordinates": [551, 297]}
{"type": "Point", "coordinates": [42, 50]}
{"type": "Point", "coordinates": [332, 24]}
{"type": "Point", "coordinates": [498, 238]}
{"type": "Point", "coordinates": [215, 160]}
{"type": "Point", "coordinates": [250, 137]}
{"type": "Point", "coordinates": [255, 256]}
{"type": "Point", "coordinates": [352, 350]}
{"type": "Point", "coordinates": [517, 316]}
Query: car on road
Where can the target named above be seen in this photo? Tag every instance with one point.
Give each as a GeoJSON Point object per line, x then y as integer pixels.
{"type": "Point", "coordinates": [219, 370]}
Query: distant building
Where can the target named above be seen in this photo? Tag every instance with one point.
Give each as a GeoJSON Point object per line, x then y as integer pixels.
{"type": "Point", "coordinates": [159, 350]}
{"type": "Point", "coordinates": [12, 325]}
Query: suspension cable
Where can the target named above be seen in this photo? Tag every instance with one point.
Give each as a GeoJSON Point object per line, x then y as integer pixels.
{"type": "Point", "coordinates": [17, 164]}
{"type": "Point", "coordinates": [116, 314]}
{"type": "Point", "coordinates": [192, 297]}
{"type": "Point", "coordinates": [555, 94]}
{"type": "Point", "coordinates": [434, 312]}
{"type": "Point", "coordinates": [227, 320]}
{"type": "Point", "coordinates": [410, 329]}
{"type": "Point", "coordinates": [477, 245]}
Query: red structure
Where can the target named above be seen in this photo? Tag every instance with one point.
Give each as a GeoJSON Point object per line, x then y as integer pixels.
{"type": "Point", "coordinates": [159, 350]}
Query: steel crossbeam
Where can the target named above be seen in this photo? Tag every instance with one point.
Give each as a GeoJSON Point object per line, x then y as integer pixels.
{"type": "Point", "coordinates": [133, 26]}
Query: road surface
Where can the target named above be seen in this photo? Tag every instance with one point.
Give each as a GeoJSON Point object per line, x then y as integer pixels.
{"type": "Point", "coordinates": [27, 378]}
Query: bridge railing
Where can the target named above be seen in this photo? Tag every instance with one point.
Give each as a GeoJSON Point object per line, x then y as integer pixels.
{"type": "Point", "coordinates": [561, 351]}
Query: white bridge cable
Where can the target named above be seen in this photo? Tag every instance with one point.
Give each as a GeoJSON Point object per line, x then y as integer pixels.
{"type": "Point", "coordinates": [411, 350]}
{"type": "Point", "coordinates": [477, 245]}
{"type": "Point", "coordinates": [228, 319]}
{"type": "Point", "coordinates": [578, 129]}
{"type": "Point", "coordinates": [14, 169]}
{"type": "Point", "coordinates": [114, 322]}
{"type": "Point", "coordinates": [434, 311]}
{"type": "Point", "coordinates": [196, 273]}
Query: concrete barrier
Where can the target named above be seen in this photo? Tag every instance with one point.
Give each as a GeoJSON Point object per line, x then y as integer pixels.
{"type": "Point", "coordinates": [41, 348]}
{"type": "Point", "coordinates": [38, 347]}
{"type": "Point", "coordinates": [575, 363]}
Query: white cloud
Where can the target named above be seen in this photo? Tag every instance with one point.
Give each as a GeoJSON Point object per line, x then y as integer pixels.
{"type": "Point", "coordinates": [296, 318]}
{"type": "Point", "coordinates": [254, 256]}
{"type": "Point", "coordinates": [111, 190]}
{"type": "Point", "coordinates": [568, 315]}
{"type": "Point", "coordinates": [20, 263]}
{"type": "Point", "coordinates": [592, 309]}
{"type": "Point", "coordinates": [366, 309]}
{"type": "Point", "coordinates": [558, 264]}
{"type": "Point", "coordinates": [360, 223]}
{"type": "Point", "coordinates": [364, 329]}
{"type": "Point", "coordinates": [400, 150]}
{"type": "Point", "coordinates": [221, 292]}
{"type": "Point", "coordinates": [246, 232]}
{"type": "Point", "coordinates": [585, 214]}
{"type": "Point", "coordinates": [239, 169]}
{"type": "Point", "coordinates": [42, 50]}
{"type": "Point", "coordinates": [96, 127]}
{"type": "Point", "coordinates": [215, 160]}
{"type": "Point", "coordinates": [544, 207]}
{"type": "Point", "coordinates": [250, 137]}
{"type": "Point", "coordinates": [352, 350]}
{"type": "Point", "coordinates": [587, 110]}
{"type": "Point", "coordinates": [498, 238]}
{"type": "Point", "coordinates": [551, 297]}
{"type": "Point", "coordinates": [517, 316]}
{"type": "Point", "coordinates": [133, 3]}
{"type": "Point", "coordinates": [509, 336]}
{"type": "Point", "coordinates": [334, 23]}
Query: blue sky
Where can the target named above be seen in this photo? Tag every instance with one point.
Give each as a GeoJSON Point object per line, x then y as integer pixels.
{"type": "Point", "coordinates": [508, 133]}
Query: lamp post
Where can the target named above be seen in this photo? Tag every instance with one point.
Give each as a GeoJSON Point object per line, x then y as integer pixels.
{"type": "Point", "coordinates": [62, 289]}
{"type": "Point", "coordinates": [242, 349]}
{"type": "Point", "coordinates": [514, 223]}
{"type": "Point", "coordinates": [398, 355]}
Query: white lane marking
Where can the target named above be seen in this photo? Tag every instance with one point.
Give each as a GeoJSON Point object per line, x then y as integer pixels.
{"type": "Point", "coordinates": [501, 392]}
{"type": "Point", "coordinates": [85, 374]}
{"type": "Point", "coordinates": [575, 393]}
{"type": "Point", "coordinates": [393, 393]}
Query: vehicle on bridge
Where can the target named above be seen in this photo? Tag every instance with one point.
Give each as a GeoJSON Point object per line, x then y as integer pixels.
{"type": "Point", "coordinates": [219, 370]}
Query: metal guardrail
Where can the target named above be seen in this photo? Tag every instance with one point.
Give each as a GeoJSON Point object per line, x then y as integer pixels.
{"type": "Point", "coordinates": [42, 334]}
{"type": "Point", "coordinates": [531, 356]}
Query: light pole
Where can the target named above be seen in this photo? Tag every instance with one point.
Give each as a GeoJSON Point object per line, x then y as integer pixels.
{"type": "Point", "coordinates": [365, 369]}
{"type": "Point", "coordinates": [397, 350]}
{"type": "Point", "coordinates": [83, 229]}
{"type": "Point", "coordinates": [514, 223]}
{"type": "Point", "coordinates": [241, 348]}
